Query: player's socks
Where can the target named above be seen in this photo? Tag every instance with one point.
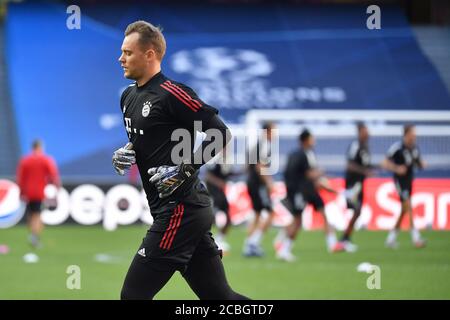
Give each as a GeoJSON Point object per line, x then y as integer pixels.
{"type": "Point", "coordinates": [415, 235]}
{"type": "Point", "coordinates": [219, 237]}
{"type": "Point", "coordinates": [285, 252]}
{"type": "Point", "coordinates": [417, 238]}
{"type": "Point", "coordinates": [392, 236]}
{"type": "Point", "coordinates": [252, 250]}
{"type": "Point", "coordinates": [279, 239]}
{"type": "Point", "coordinates": [281, 235]}
{"type": "Point", "coordinates": [34, 240]}
{"type": "Point", "coordinates": [331, 239]}
{"type": "Point", "coordinates": [221, 242]}
{"type": "Point", "coordinates": [391, 240]}
{"type": "Point", "coordinates": [286, 246]}
{"type": "Point", "coordinates": [256, 237]}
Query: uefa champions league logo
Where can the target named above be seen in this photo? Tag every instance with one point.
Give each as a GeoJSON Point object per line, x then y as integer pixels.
{"type": "Point", "coordinates": [11, 208]}
{"type": "Point", "coordinates": [229, 78]}
{"type": "Point", "coordinates": [221, 64]}
{"type": "Point", "coordinates": [242, 79]}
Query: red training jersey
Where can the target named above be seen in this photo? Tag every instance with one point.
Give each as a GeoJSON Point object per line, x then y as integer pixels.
{"type": "Point", "coordinates": [34, 172]}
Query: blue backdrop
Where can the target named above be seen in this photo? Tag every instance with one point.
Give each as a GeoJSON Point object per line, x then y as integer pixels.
{"type": "Point", "coordinates": [66, 83]}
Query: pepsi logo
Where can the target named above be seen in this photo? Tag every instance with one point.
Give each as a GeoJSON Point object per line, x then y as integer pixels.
{"type": "Point", "coordinates": [11, 208]}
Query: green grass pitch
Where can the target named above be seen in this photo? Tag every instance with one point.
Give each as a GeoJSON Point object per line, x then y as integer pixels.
{"type": "Point", "coordinates": [406, 273]}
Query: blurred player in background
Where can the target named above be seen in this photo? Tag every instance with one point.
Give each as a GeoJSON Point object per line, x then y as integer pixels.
{"type": "Point", "coordinates": [217, 176]}
{"type": "Point", "coordinates": [402, 157]}
{"type": "Point", "coordinates": [303, 180]}
{"type": "Point", "coordinates": [34, 172]}
{"type": "Point", "coordinates": [259, 186]}
{"type": "Point", "coordinates": [180, 238]}
{"type": "Point", "coordinates": [358, 168]}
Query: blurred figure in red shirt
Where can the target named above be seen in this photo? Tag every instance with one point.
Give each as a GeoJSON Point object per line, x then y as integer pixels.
{"type": "Point", "coordinates": [34, 172]}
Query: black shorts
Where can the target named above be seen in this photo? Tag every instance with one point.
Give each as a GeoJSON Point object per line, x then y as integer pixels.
{"type": "Point", "coordinates": [312, 197]}
{"type": "Point", "coordinates": [259, 195]}
{"type": "Point", "coordinates": [404, 188]}
{"type": "Point", "coordinates": [354, 194]}
{"type": "Point", "coordinates": [294, 202]}
{"type": "Point", "coordinates": [176, 235]}
{"type": "Point", "coordinates": [34, 207]}
{"type": "Point", "coordinates": [219, 198]}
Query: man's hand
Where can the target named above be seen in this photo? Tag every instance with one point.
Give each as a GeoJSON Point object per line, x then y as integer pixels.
{"type": "Point", "coordinates": [168, 178]}
{"type": "Point", "coordinates": [401, 170]}
{"type": "Point", "coordinates": [324, 183]}
{"type": "Point", "coordinates": [124, 158]}
{"type": "Point", "coordinates": [423, 164]}
{"type": "Point", "coordinates": [369, 172]}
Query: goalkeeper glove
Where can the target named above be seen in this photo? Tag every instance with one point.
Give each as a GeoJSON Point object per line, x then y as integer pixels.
{"type": "Point", "coordinates": [124, 158]}
{"type": "Point", "coordinates": [168, 178]}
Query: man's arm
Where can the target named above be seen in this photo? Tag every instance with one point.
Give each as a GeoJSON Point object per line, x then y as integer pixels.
{"type": "Point", "coordinates": [352, 160]}
{"type": "Point", "coordinates": [124, 157]}
{"type": "Point", "coordinates": [219, 183]}
{"type": "Point", "coordinates": [266, 179]}
{"type": "Point", "coordinates": [317, 176]}
{"type": "Point", "coordinates": [217, 137]}
{"type": "Point", "coordinates": [352, 166]}
{"type": "Point", "coordinates": [418, 159]}
{"type": "Point", "coordinates": [20, 177]}
{"type": "Point", "coordinates": [53, 173]}
{"type": "Point", "coordinates": [389, 165]}
{"type": "Point", "coordinates": [187, 109]}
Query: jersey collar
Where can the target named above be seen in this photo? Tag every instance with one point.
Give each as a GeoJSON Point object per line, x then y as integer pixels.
{"type": "Point", "coordinates": [152, 80]}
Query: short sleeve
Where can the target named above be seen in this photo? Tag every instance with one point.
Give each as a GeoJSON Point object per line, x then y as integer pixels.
{"type": "Point", "coordinates": [393, 151]}
{"type": "Point", "coordinates": [417, 156]}
{"type": "Point", "coordinates": [304, 163]}
{"type": "Point", "coordinates": [352, 152]}
{"type": "Point", "coordinates": [52, 170]}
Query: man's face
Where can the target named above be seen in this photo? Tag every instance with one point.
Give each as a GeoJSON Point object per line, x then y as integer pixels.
{"type": "Point", "coordinates": [270, 132]}
{"type": "Point", "coordinates": [134, 60]}
{"type": "Point", "coordinates": [364, 134]}
{"type": "Point", "coordinates": [410, 137]}
{"type": "Point", "coordinates": [310, 142]}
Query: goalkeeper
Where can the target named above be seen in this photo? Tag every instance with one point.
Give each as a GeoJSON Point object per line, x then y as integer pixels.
{"type": "Point", "coordinates": [158, 113]}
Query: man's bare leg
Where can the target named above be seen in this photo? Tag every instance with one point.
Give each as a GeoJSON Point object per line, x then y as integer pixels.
{"type": "Point", "coordinates": [391, 240]}
{"type": "Point", "coordinates": [36, 227]}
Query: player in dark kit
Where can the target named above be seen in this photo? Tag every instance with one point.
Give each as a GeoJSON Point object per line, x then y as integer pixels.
{"type": "Point", "coordinates": [159, 116]}
{"type": "Point", "coordinates": [303, 179]}
{"type": "Point", "coordinates": [217, 176]}
{"type": "Point", "coordinates": [259, 186]}
{"type": "Point", "coordinates": [358, 168]}
{"type": "Point", "coordinates": [402, 158]}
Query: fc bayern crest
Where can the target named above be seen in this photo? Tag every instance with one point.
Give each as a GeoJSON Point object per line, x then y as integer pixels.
{"type": "Point", "coordinates": [146, 109]}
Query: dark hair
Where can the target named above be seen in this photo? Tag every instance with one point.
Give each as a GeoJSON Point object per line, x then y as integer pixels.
{"type": "Point", "coordinates": [360, 125]}
{"type": "Point", "coordinates": [36, 144]}
{"type": "Point", "coordinates": [407, 128]}
{"type": "Point", "coordinates": [267, 125]}
{"type": "Point", "coordinates": [304, 135]}
{"type": "Point", "coordinates": [148, 35]}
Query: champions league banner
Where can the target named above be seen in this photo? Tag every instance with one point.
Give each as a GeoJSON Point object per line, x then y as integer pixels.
{"type": "Point", "coordinates": [265, 57]}
{"type": "Point", "coordinates": [113, 206]}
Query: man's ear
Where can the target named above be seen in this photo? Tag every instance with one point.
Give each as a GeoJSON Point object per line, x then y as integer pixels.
{"type": "Point", "coordinates": [150, 54]}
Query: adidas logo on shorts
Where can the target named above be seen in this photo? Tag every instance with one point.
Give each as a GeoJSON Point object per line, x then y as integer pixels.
{"type": "Point", "coordinates": [141, 252]}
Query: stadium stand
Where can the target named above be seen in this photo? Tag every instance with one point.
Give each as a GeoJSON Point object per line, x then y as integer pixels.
{"type": "Point", "coordinates": [8, 133]}
{"type": "Point", "coordinates": [277, 59]}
